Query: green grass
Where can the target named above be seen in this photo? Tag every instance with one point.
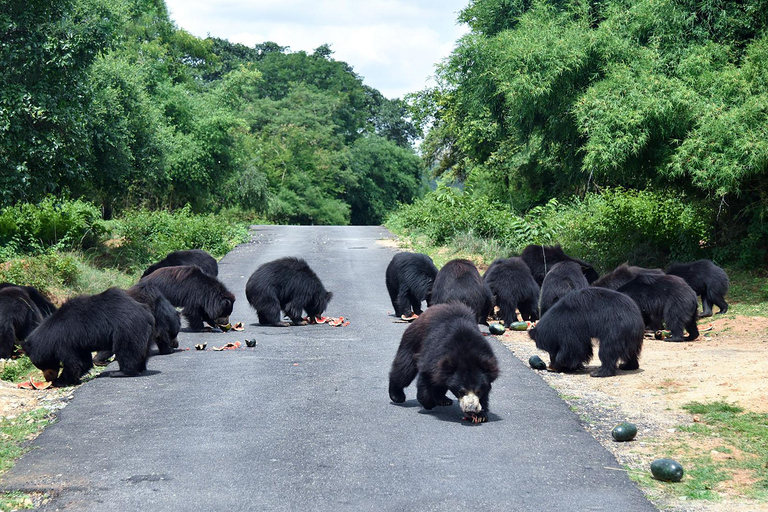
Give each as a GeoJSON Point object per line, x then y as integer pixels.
{"type": "Point", "coordinates": [748, 292]}
{"type": "Point", "coordinates": [14, 433]}
{"type": "Point", "coordinates": [740, 437]}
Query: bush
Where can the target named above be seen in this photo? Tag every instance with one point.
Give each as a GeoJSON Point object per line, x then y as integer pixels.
{"type": "Point", "coordinates": [45, 272]}
{"type": "Point", "coordinates": [52, 223]}
{"type": "Point", "coordinates": [648, 228]}
{"type": "Point", "coordinates": [141, 237]}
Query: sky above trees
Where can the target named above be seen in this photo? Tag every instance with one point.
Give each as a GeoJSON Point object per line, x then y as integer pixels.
{"type": "Point", "coordinates": [393, 44]}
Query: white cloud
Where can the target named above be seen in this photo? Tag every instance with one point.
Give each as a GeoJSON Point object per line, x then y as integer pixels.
{"type": "Point", "coordinates": [393, 44]}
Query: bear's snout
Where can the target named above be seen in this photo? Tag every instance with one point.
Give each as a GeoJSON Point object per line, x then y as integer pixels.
{"type": "Point", "coordinates": [470, 403]}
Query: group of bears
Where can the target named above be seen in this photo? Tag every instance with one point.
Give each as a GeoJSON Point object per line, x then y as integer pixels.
{"type": "Point", "coordinates": [569, 301]}
{"type": "Point", "coordinates": [125, 323]}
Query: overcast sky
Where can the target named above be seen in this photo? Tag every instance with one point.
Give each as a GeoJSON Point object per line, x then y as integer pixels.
{"type": "Point", "coordinates": [393, 44]}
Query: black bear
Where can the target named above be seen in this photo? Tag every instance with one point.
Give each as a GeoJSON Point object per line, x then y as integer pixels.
{"type": "Point", "coordinates": [666, 299]}
{"type": "Point", "coordinates": [540, 259]}
{"type": "Point", "coordinates": [513, 288]}
{"type": "Point", "coordinates": [45, 306]}
{"type": "Point", "coordinates": [167, 320]}
{"type": "Point", "coordinates": [623, 274]}
{"type": "Point", "coordinates": [563, 278]}
{"type": "Point", "coordinates": [286, 284]}
{"type": "Point", "coordinates": [448, 352]}
{"type": "Point", "coordinates": [409, 279]}
{"type": "Point", "coordinates": [460, 281]}
{"type": "Point", "coordinates": [199, 257]}
{"type": "Point", "coordinates": [18, 317]}
{"type": "Point", "coordinates": [707, 280]}
{"type": "Point", "coordinates": [111, 320]}
{"type": "Point", "coordinates": [204, 298]}
{"type": "Point", "coordinates": [567, 329]}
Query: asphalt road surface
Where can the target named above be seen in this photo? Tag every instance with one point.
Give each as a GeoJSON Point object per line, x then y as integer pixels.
{"type": "Point", "coordinates": [303, 421]}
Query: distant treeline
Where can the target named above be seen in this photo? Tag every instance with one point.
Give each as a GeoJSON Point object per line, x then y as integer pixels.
{"type": "Point", "coordinates": [651, 102]}
{"type": "Point", "coordinates": [108, 100]}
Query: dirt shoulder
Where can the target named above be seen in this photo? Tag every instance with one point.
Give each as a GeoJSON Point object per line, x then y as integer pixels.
{"type": "Point", "coordinates": [727, 363]}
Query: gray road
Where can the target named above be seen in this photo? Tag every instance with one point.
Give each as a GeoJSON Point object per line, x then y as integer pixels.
{"type": "Point", "coordinates": [303, 420]}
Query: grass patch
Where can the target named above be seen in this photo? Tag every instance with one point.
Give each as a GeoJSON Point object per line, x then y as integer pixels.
{"type": "Point", "coordinates": [14, 434]}
{"type": "Point", "coordinates": [16, 430]}
{"type": "Point", "coordinates": [727, 447]}
{"type": "Point", "coordinates": [18, 370]}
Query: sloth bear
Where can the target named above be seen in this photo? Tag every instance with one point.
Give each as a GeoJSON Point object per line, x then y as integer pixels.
{"type": "Point", "coordinates": [111, 320]}
{"type": "Point", "coordinates": [513, 288]}
{"type": "Point", "coordinates": [707, 280]}
{"type": "Point", "coordinates": [460, 281]}
{"type": "Point", "coordinates": [623, 274]}
{"type": "Point", "coordinates": [167, 321]}
{"type": "Point", "coordinates": [18, 317]}
{"type": "Point", "coordinates": [540, 259]}
{"type": "Point", "coordinates": [564, 277]}
{"type": "Point", "coordinates": [204, 298]}
{"type": "Point", "coordinates": [448, 352]}
{"type": "Point", "coordinates": [199, 257]}
{"type": "Point", "coordinates": [666, 299]}
{"type": "Point", "coordinates": [409, 279]}
{"type": "Point", "coordinates": [286, 284]}
{"type": "Point", "coordinates": [567, 329]}
{"type": "Point", "coordinates": [45, 306]}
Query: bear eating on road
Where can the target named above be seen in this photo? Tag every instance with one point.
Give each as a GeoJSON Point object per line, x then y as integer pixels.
{"type": "Point", "coordinates": [111, 320]}
{"type": "Point", "coordinates": [289, 285]}
{"type": "Point", "coordinates": [409, 280]}
{"type": "Point", "coordinates": [513, 288]}
{"type": "Point", "coordinates": [460, 281]}
{"type": "Point", "coordinates": [199, 257]}
{"type": "Point", "coordinates": [204, 298]}
{"type": "Point", "coordinates": [567, 329]}
{"type": "Point", "coordinates": [446, 349]}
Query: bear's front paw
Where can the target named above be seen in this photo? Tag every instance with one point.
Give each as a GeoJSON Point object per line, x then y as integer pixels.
{"type": "Point", "coordinates": [444, 400]}
{"type": "Point", "coordinates": [476, 417]}
{"type": "Point", "coordinates": [397, 396]}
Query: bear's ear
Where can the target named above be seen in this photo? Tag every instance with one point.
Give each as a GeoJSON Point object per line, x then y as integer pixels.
{"type": "Point", "coordinates": [446, 365]}
{"type": "Point", "coordinates": [328, 297]}
{"type": "Point", "coordinates": [532, 334]}
{"type": "Point", "coordinates": [489, 367]}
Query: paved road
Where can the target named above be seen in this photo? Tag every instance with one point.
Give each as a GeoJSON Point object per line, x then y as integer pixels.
{"type": "Point", "coordinates": [303, 420]}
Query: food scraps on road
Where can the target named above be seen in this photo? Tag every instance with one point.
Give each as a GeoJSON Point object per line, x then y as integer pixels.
{"type": "Point", "coordinates": [228, 346]}
{"type": "Point", "coordinates": [201, 346]}
{"type": "Point", "coordinates": [32, 384]}
{"type": "Point", "coordinates": [232, 327]}
{"type": "Point", "coordinates": [332, 321]}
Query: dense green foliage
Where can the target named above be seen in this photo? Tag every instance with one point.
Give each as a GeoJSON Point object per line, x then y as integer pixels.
{"type": "Point", "coordinates": [108, 100]}
{"type": "Point", "coordinates": [556, 99]}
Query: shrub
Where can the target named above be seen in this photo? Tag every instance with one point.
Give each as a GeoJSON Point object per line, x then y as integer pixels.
{"type": "Point", "coordinates": [52, 223]}
{"type": "Point", "coordinates": [141, 237]}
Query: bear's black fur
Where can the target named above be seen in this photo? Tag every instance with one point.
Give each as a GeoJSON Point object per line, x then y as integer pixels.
{"type": "Point", "coordinates": [562, 279]}
{"type": "Point", "coordinates": [204, 298]}
{"type": "Point", "coordinates": [623, 274]}
{"type": "Point", "coordinates": [167, 319]}
{"type": "Point", "coordinates": [45, 306]}
{"type": "Point", "coordinates": [707, 280]}
{"type": "Point", "coordinates": [18, 317]}
{"type": "Point", "coordinates": [667, 299]}
{"type": "Point", "coordinates": [541, 259]}
{"type": "Point", "coordinates": [286, 284]}
{"type": "Point", "coordinates": [111, 320]}
{"type": "Point", "coordinates": [448, 352]}
{"type": "Point", "coordinates": [513, 288]}
{"type": "Point", "coordinates": [460, 281]}
{"type": "Point", "coordinates": [409, 279]}
{"type": "Point", "coordinates": [199, 257]}
{"type": "Point", "coordinates": [567, 329]}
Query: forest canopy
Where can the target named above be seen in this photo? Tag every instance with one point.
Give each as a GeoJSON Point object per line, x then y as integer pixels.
{"type": "Point", "coordinates": [565, 99]}
{"type": "Point", "coordinates": [109, 101]}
